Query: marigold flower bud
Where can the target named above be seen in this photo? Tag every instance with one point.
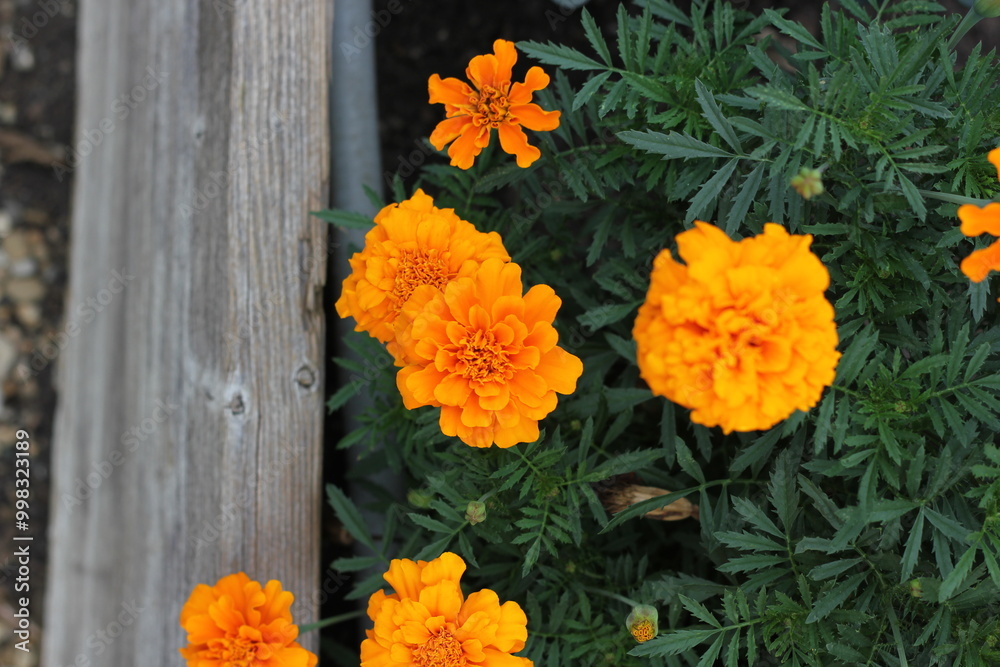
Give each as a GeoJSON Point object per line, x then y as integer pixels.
{"type": "Point", "coordinates": [988, 8]}
{"type": "Point", "coordinates": [419, 498]}
{"type": "Point", "coordinates": [916, 588]}
{"type": "Point", "coordinates": [642, 622]}
{"type": "Point", "coordinates": [808, 182]}
{"type": "Point", "coordinates": [475, 512]}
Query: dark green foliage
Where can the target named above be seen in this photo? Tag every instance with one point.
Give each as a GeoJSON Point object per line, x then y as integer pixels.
{"type": "Point", "coordinates": [866, 531]}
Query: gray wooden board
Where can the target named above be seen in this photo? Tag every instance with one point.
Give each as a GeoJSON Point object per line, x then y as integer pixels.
{"type": "Point", "coordinates": [188, 434]}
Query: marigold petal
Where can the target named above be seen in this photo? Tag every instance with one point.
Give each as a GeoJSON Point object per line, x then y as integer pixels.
{"type": "Point", "coordinates": [994, 157]}
{"type": "Point", "coordinates": [375, 602]}
{"type": "Point", "coordinates": [543, 336]}
{"type": "Point", "coordinates": [976, 220]}
{"type": "Point", "coordinates": [473, 649]}
{"type": "Point", "coordinates": [513, 631]}
{"type": "Point", "coordinates": [446, 567]}
{"type": "Point", "coordinates": [450, 420]}
{"type": "Point", "coordinates": [514, 141]}
{"type": "Point", "coordinates": [535, 118]}
{"type": "Point", "coordinates": [482, 71]}
{"type": "Point", "coordinates": [443, 599]}
{"type": "Point", "coordinates": [474, 415]}
{"type": "Point", "coordinates": [468, 145]}
{"type": "Point", "coordinates": [374, 654]}
{"type": "Point", "coordinates": [479, 318]}
{"type": "Point", "coordinates": [460, 295]}
{"type": "Point", "coordinates": [526, 430]}
{"type": "Point", "coordinates": [198, 603]}
{"type": "Point", "coordinates": [528, 386]}
{"type": "Point", "coordinates": [404, 577]}
{"type": "Point", "coordinates": [448, 91]}
{"type": "Point", "coordinates": [401, 654]}
{"type": "Point", "coordinates": [506, 55]}
{"type": "Point", "coordinates": [485, 601]}
{"type": "Point", "coordinates": [560, 369]}
{"type": "Point", "coordinates": [274, 603]}
{"type": "Point", "coordinates": [497, 279]}
{"type": "Point", "coordinates": [452, 390]}
{"type": "Point", "coordinates": [202, 628]}
{"type": "Point", "coordinates": [536, 79]}
{"type": "Point", "coordinates": [476, 436]}
{"type": "Point", "coordinates": [540, 304]}
{"type": "Point", "coordinates": [450, 129]}
{"type": "Point", "coordinates": [497, 401]}
{"type": "Point", "coordinates": [417, 385]}
{"type": "Point", "coordinates": [980, 262]}
{"type": "Point", "coordinates": [508, 306]}
{"type": "Point", "coordinates": [415, 632]}
{"type": "Point", "coordinates": [496, 658]}
{"type": "Point", "coordinates": [526, 358]}
{"type": "Point", "coordinates": [293, 656]}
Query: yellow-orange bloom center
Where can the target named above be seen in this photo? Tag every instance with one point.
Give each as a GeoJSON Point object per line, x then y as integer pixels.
{"type": "Point", "coordinates": [481, 357]}
{"type": "Point", "coordinates": [415, 268]}
{"type": "Point", "coordinates": [239, 652]}
{"type": "Point", "coordinates": [491, 106]}
{"type": "Point", "coordinates": [441, 650]}
{"type": "Point", "coordinates": [643, 631]}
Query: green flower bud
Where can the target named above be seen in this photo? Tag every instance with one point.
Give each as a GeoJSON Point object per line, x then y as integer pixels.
{"type": "Point", "coordinates": [642, 622]}
{"type": "Point", "coordinates": [808, 182]}
{"type": "Point", "coordinates": [475, 512]}
{"type": "Point", "coordinates": [419, 498]}
{"type": "Point", "coordinates": [988, 8]}
{"type": "Point", "coordinates": [916, 588]}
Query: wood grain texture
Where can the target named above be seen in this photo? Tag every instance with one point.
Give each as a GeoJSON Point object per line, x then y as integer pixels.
{"type": "Point", "coordinates": [188, 436]}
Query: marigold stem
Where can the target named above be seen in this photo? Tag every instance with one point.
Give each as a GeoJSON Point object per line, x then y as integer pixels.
{"type": "Point", "coordinates": [333, 620]}
{"type": "Point", "coordinates": [971, 19]}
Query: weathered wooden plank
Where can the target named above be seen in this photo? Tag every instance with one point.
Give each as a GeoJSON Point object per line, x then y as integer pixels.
{"type": "Point", "coordinates": [188, 437]}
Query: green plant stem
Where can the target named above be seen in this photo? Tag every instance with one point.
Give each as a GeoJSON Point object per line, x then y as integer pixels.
{"type": "Point", "coordinates": [953, 199]}
{"type": "Point", "coordinates": [613, 596]}
{"type": "Point", "coordinates": [845, 390]}
{"type": "Point", "coordinates": [333, 620]}
{"type": "Point", "coordinates": [971, 19]}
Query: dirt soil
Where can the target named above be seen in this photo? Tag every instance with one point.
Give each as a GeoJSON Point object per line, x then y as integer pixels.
{"type": "Point", "coordinates": [37, 87]}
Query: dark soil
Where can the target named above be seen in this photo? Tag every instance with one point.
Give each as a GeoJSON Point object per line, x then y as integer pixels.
{"type": "Point", "coordinates": [37, 88]}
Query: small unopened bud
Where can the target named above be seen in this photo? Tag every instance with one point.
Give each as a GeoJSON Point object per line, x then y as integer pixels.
{"type": "Point", "coordinates": [916, 588]}
{"type": "Point", "coordinates": [419, 498]}
{"type": "Point", "coordinates": [642, 622]}
{"type": "Point", "coordinates": [988, 8]}
{"type": "Point", "coordinates": [808, 182]}
{"type": "Point", "coordinates": [475, 512]}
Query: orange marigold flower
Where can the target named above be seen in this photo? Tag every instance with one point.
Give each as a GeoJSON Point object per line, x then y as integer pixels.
{"type": "Point", "coordinates": [428, 622]}
{"type": "Point", "coordinates": [487, 355]}
{"type": "Point", "coordinates": [742, 333]}
{"type": "Point", "coordinates": [413, 243]}
{"type": "Point", "coordinates": [236, 623]}
{"type": "Point", "coordinates": [982, 220]}
{"type": "Point", "coordinates": [495, 104]}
